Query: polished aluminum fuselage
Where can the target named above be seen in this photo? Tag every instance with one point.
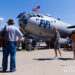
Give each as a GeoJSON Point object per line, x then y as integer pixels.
{"type": "Point", "coordinates": [33, 27]}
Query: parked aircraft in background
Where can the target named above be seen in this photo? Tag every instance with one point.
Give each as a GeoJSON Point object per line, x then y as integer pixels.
{"type": "Point", "coordinates": [43, 26]}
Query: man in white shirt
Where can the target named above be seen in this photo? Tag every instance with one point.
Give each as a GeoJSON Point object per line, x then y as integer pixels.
{"type": "Point", "coordinates": [13, 33]}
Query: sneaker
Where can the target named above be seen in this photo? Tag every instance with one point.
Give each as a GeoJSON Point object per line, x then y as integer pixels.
{"type": "Point", "coordinates": [55, 58]}
{"type": "Point", "coordinates": [60, 57]}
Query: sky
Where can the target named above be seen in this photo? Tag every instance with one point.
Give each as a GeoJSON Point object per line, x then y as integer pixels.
{"type": "Point", "coordinates": [63, 9]}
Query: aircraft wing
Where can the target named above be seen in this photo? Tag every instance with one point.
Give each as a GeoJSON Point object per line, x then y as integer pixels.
{"type": "Point", "coordinates": [71, 26]}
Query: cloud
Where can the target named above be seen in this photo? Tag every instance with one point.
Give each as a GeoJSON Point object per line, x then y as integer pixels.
{"type": "Point", "coordinates": [1, 19]}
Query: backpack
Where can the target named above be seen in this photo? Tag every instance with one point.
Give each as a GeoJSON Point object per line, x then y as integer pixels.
{"type": "Point", "coordinates": [3, 38]}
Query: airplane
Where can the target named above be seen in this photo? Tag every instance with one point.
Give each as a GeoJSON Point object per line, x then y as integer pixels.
{"type": "Point", "coordinates": [43, 26]}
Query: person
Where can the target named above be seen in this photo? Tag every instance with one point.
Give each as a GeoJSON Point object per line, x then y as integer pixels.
{"type": "Point", "coordinates": [13, 33]}
{"type": "Point", "coordinates": [65, 46]}
{"type": "Point", "coordinates": [34, 44]}
{"type": "Point", "coordinates": [68, 41]}
{"type": "Point", "coordinates": [56, 44]}
{"type": "Point", "coordinates": [29, 44]}
{"type": "Point", "coordinates": [73, 42]}
{"type": "Point", "coordinates": [23, 44]}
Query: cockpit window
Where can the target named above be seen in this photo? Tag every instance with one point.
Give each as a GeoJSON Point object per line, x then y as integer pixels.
{"type": "Point", "coordinates": [34, 15]}
{"type": "Point", "coordinates": [38, 15]}
{"type": "Point", "coordinates": [41, 16]}
{"type": "Point", "coordinates": [25, 17]}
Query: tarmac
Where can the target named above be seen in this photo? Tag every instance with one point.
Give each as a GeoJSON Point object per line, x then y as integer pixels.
{"type": "Point", "coordinates": [40, 62]}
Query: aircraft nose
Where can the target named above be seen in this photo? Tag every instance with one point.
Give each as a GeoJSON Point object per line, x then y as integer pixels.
{"type": "Point", "coordinates": [22, 22]}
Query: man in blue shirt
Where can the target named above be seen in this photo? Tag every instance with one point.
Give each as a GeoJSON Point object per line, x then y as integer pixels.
{"type": "Point", "coordinates": [14, 35]}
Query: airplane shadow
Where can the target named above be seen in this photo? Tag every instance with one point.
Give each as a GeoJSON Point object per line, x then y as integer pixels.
{"type": "Point", "coordinates": [65, 59]}
{"type": "Point", "coordinates": [43, 59]}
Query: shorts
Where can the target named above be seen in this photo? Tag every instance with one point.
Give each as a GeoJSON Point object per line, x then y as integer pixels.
{"type": "Point", "coordinates": [73, 45]}
{"type": "Point", "coordinates": [56, 46]}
